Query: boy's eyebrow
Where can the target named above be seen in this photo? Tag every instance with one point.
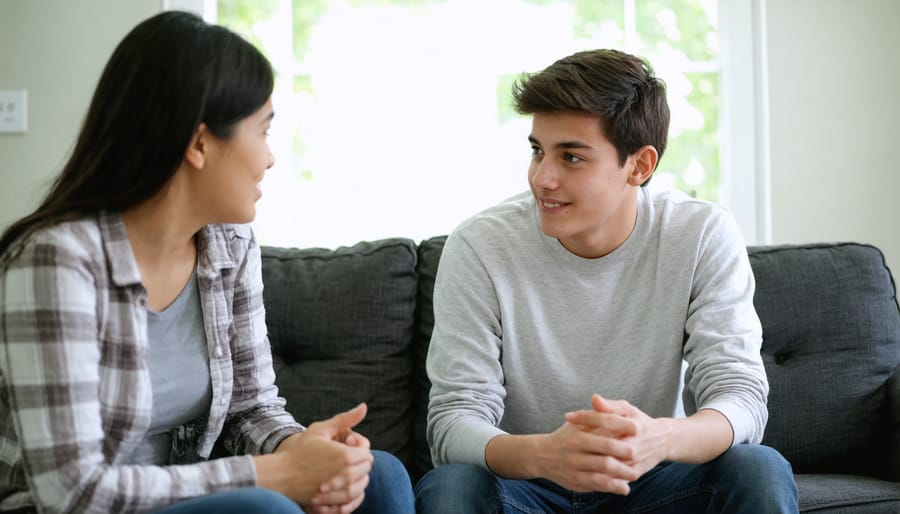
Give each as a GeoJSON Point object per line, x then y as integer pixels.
{"type": "Point", "coordinates": [269, 117]}
{"type": "Point", "coordinates": [563, 144]}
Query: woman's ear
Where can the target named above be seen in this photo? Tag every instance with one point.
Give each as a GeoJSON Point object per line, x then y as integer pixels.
{"type": "Point", "coordinates": [645, 159]}
{"type": "Point", "coordinates": [198, 148]}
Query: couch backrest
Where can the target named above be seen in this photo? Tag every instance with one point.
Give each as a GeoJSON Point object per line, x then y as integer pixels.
{"type": "Point", "coordinates": [341, 324]}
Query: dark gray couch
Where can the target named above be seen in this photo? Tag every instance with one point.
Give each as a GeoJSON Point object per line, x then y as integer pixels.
{"type": "Point", "coordinates": [353, 324]}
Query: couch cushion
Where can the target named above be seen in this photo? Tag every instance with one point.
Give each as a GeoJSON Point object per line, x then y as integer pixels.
{"type": "Point", "coordinates": [429, 257]}
{"type": "Point", "coordinates": [847, 494]}
{"type": "Point", "coordinates": [340, 323]}
{"type": "Point", "coordinates": [831, 340]}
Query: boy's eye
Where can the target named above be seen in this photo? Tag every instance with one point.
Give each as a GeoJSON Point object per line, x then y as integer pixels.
{"type": "Point", "coordinates": [571, 158]}
{"type": "Point", "coordinates": [536, 150]}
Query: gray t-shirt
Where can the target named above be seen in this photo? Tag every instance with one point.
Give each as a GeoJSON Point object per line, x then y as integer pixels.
{"type": "Point", "coordinates": [179, 373]}
{"type": "Point", "coordinates": [526, 331]}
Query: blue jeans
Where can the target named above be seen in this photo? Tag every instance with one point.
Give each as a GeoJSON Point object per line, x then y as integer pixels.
{"type": "Point", "coordinates": [745, 479]}
{"type": "Point", "coordinates": [389, 492]}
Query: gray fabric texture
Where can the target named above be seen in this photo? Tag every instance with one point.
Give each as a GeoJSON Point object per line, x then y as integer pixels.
{"type": "Point", "coordinates": [179, 373]}
{"type": "Point", "coordinates": [847, 494]}
{"type": "Point", "coordinates": [893, 387]}
{"type": "Point", "coordinates": [831, 341]}
{"type": "Point", "coordinates": [340, 323]}
{"type": "Point", "coordinates": [526, 331]}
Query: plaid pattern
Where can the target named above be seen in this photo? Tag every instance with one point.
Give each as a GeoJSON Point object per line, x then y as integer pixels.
{"type": "Point", "coordinates": [75, 393]}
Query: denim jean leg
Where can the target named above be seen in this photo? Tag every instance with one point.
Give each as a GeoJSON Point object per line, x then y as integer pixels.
{"type": "Point", "coordinates": [746, 479]}
{"type": "Point", "coordinates": [389, 489]}
{"type": "Point", "coordinates": [537, 496]}
{"type": "Point", "coordinates": [238, 501]}
{"type": "Point", "coordinates": [754, 479]}
{"type": "Point", "coordinates": [457, 488]}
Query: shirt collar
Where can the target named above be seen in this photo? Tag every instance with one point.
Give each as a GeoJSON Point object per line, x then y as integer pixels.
{"type": "Point", "coordinates": [214, 249]}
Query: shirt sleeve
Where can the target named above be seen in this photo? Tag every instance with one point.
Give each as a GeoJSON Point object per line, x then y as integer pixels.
{"type": "Point", "coordinates": [725, 370]}
{"type": "Point", "coordinates": [51, 367]}
{"type": "Point", "coordinates": [463, 363]}
{"type": "Point", "coordinates": [257, 420]}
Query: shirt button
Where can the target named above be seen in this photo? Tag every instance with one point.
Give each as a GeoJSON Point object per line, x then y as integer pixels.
{"type": "Point", "coordinates": [223, 400]}
{"type": "Point", "coordinates": [219, 351]}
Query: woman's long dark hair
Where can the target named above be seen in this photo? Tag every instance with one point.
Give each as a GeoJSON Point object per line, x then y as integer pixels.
{"type": "Point", "coordinates": [172, 72]}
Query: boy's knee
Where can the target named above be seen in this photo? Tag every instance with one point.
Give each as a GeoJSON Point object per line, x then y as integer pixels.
{"type": "Point", "coordinates": [758, 475]}
{"type": "Point", "coordinates": [757, 460]}
{"type": "Point", "coordinates": [454, 488]}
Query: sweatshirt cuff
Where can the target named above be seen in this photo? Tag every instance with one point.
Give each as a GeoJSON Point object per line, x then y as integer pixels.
{"type": "Point", "coordinates": [467, 442]}
{"type": "Point", "coordinates": [742, 422]}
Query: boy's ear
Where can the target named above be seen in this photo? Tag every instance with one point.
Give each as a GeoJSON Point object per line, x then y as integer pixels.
{"type": "Point", "coordinates": [198, 148]}
{"type": "Point", "coordinates": [645, 159]}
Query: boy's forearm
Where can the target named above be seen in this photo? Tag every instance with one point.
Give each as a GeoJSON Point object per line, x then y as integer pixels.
{"type": "Point", "coordinates": [513, 456]}
{"type": "Point", "coordinates": [699, 438]}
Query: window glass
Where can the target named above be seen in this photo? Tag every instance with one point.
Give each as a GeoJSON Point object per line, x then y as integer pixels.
{"type": "Point", "coordinates": [393, 117]}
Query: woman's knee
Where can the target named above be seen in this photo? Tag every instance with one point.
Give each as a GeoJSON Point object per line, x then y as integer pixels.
{"type": "Point", "coordinates": [237, 501]}
{"type": "Point", "coordinates": [387, 465]}
{"type": "Point", "coordinates": [389, 489]}
{"type": "Point", "coordinates": [262, 501]}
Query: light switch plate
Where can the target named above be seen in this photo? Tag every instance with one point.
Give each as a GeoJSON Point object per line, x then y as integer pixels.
{"type": "Point", "coordinates": [13, 111]}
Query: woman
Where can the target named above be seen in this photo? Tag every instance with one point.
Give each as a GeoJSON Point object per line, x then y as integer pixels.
{"type": "Point", "coordinates": [131, 317]}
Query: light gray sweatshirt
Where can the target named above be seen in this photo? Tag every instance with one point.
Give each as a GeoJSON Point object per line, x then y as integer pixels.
{"type": "Point", "coordinates": [526, 331]}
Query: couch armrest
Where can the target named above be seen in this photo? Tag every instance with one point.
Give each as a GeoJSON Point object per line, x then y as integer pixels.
{"type": "Point", "coordinates": [893, 399]}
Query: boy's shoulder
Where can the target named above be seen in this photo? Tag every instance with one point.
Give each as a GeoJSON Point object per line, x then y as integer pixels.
{"type": "Point", "coordinates": [512, 211]}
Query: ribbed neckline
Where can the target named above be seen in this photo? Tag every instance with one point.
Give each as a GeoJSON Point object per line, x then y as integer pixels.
{"type": "Point", "coordinates": [611, 262]}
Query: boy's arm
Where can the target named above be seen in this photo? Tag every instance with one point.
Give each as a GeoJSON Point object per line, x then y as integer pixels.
{"type": "Point", "coordinates": [467, 393]}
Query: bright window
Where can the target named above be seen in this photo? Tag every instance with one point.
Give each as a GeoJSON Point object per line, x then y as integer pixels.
{"type": "Point", "coordinates": [394, 118]}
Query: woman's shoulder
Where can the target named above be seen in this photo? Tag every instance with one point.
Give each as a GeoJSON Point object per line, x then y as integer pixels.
{"type": "Point", "coordinates": [68, 239]}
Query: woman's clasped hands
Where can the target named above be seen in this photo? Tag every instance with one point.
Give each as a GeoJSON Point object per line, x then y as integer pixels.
{"type": "Point", "coordinates": [326, 468]}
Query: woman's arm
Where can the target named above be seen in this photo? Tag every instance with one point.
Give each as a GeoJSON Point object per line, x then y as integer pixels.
{"type": "Point", "coordinates": [257, 421]}
{"type": "Point", "coordinates": [328, 464]}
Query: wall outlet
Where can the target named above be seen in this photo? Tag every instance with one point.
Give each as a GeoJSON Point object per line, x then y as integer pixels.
{"type": "Point", "coordinates": [14, 111]}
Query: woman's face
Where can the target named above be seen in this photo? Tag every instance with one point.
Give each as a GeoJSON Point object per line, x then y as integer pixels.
{"type": "Point", "coordinates": [237, 167]}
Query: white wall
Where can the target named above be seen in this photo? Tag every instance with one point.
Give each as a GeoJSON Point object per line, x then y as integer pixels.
{"type": "Point", "coordinates": [54, 49]}
{"type": "Point", "coordinates": [834, 77]}
{"type": "Point", "coordinates": [834, 81]}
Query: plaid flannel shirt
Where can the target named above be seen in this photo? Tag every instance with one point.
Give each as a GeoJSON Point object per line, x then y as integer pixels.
{"type": "Point", "coordinates": [75, 393]}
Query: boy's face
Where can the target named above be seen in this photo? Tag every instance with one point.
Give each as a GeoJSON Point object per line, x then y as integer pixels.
{"type": "Point", "coordinates": [585, 199]}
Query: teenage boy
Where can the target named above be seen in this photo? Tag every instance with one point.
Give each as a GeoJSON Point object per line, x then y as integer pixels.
{"type": "Point", "coordinates": [562, 317]}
